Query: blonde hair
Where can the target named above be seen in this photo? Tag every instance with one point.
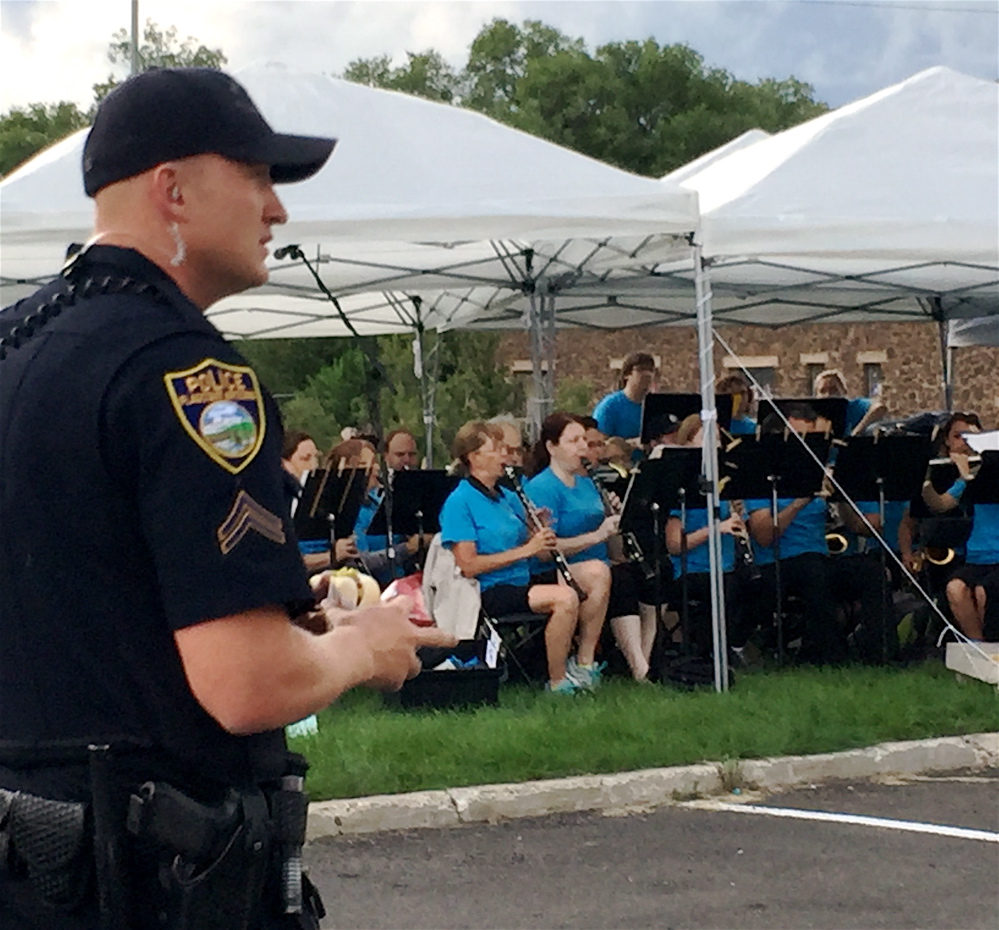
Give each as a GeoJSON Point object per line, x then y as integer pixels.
{"type": "Point", "coordinates": [472, 437]}
{"type": "Point", "coordinates": [688, 429]}
{"type": "Point", "coordinates": [834, 373]}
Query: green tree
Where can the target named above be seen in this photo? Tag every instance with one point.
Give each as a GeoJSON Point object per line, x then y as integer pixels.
{"type": "Point", "coordinates": [159, 48]}
{"type": "Point", "coordinates": [26, 130]}
{"type": "Point", "coordinates": [334, 397]}
{"type": "Point", "coordinates": [285, 366]}
{"type": "Point", "coordinates": [425, 74]}
{"type": "Point", "coordinates": [644, 107]}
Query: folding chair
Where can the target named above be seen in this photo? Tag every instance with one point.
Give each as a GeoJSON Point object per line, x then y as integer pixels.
{"type": "Point", "coordinates": [455, 605]}
{"type": "Point", "coordinates": [523, 643]}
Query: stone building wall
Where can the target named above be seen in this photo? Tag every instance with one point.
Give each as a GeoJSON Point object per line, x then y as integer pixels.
{"type": "Point", "coordinates": [908, 354]}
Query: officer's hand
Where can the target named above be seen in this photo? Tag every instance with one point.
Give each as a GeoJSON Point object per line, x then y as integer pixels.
{"type": "Point", "coordinates": [393, 641]}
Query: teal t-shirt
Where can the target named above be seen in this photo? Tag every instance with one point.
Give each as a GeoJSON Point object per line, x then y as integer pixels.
{"type": "Point", "coordinates": [574, 510]}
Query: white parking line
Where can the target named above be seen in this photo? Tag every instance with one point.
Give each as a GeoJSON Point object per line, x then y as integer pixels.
{"type": "Point", "coordinates": [910, 826]}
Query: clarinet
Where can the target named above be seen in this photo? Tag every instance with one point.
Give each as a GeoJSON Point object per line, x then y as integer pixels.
{"type": "Point", "coordinates": [561, 565]}
{"type": "Point", "coordinates": [743, 546]}
{"type": "Point", "coordinates": [632, 547]}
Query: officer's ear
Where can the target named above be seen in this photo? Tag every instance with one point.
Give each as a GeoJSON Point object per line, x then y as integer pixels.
{"type": "Point", "coordinates": [168, 190]}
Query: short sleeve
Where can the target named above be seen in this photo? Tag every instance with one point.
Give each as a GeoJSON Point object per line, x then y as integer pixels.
{"type": "Point", "coordinates": [195, 441]}
{"type": "Point", "coordinates": [456, 520]}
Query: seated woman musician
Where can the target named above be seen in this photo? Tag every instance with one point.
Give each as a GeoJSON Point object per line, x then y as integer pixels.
{"type": "Point", "coordinates": [372, 551]}
{"type": "Point", "coordinates": [973, 589]}
{"type": "Point", "coordinates": [485, 526]}
{"type": "Point", "coordinates": [300, 456]}
{"type": "Point", "coordinates": [579, 516]}
{"type": "Point", "coordinates": [941, 523]}
{"type": "Point", "coordinates": [691, 561]}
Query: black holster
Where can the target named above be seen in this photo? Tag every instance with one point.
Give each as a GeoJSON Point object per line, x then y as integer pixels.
{"type": "Point", "coordinates": [212, 858]}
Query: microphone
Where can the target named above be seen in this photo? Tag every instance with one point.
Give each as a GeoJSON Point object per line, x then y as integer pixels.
{"type": "Point", "coordinates": [286, 251]}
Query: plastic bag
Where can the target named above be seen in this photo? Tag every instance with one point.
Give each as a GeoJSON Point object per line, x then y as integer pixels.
{"type": "Point", "coordinates": [412, 587]}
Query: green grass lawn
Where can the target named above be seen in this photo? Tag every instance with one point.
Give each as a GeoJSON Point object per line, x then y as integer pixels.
{"type": "Point", "coordinates": [364, 747]}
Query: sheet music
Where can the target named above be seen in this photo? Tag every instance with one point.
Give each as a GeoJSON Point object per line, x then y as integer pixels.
{"type": "Point", "coordinates": [983, 442]}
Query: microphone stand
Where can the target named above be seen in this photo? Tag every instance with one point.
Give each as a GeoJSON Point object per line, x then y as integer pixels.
{"type": "Point", "coordinates": [684, 581]}
{"type": "Point", "coordinates": [886, 606]}
{"type": "Point", "coordinates": [387, 504]}
{"type": "Point", "coordinates": [778, 597]}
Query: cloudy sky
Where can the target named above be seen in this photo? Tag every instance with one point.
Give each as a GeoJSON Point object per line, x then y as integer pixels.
{"type": "Point", "coordinates": [56, 49]}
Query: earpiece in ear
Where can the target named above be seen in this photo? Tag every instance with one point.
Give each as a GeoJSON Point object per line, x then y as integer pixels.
{"type": "Point", "coordinates": [174, 194]}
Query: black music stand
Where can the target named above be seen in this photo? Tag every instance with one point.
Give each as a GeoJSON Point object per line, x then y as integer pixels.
{"type": "Point", "coordinates": [833, 409]}
{"type": "Point", "coordinates": [417, 499]}
{"type": "Point", "coordinates": [985, 487]}
{"type": "Point", "coordinates": [681, 406]}
{"type": "Point", "coordinates": [773, 465]}
{"type": "Point", "coordinates": [882, 468]}
{"type": "Point", "coordinates": [329, 504]}
{"type": "Point", "coordinates": [665, 483]}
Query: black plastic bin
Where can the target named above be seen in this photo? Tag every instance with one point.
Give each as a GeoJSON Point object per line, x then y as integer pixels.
{"type": "Point", "coordinates": [451, 687]}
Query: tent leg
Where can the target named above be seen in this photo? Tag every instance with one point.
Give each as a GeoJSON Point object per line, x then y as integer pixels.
{"type": "Point", "coordinates": [709, 416]}
{"type": "Point", "coordinates": [541, 324]}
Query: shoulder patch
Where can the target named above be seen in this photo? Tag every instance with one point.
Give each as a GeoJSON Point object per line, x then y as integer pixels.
{"type": "Point", "coordinates": [245, 515]}
{"type": "Point", "coordinates": [221, 408]}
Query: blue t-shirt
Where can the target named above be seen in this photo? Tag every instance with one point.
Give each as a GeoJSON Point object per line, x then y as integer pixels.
{"type": "Point", "coordinates": [805, 533]}
{"type": "Point", "coordinates": [742, 426]}
{"type": "Point", "coordinates": [699, 558]}
{"type": "Point", "coordinates": [617, 415]}
{"type": "Point", "coordinates": [856, 410]}
{"type": "Point", "coordinates": [495, 523]}
{"type": "Point", "coordinates": [982, 547]}
{"type": "Point", "coordinates": [365, 541]}
{"type": "Point", "coordinates": [574, 510]}
{"type": "Point", "coordinates": [894, 511]}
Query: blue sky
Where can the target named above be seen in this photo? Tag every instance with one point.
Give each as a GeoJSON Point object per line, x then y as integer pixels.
{"type": "Point", "coordinates": [55, 49]}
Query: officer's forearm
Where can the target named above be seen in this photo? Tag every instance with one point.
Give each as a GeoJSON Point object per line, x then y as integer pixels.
{"type": "Point", "coordinates": [255, 671]}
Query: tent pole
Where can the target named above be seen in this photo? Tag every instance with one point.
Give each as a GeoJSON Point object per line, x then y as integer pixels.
{"type": "Point", "coordinates": [709, 416]}
{"type": "Point", "coordinates": [541, 326]}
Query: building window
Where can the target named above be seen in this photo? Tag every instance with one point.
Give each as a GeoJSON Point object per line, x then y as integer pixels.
{"type": "Point", "coordinates": [873, 379]}
{"type": "Point", "coordinates": [766, 376]}
{"type": "Point", "coordinates": [812, 371]}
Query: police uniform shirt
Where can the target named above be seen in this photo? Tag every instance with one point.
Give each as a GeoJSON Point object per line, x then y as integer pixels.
{"type": "Point", "coordinates": [805, 533]}
{"type": "Point", "coordinates": [141, 492]}
{"type": "Point", "coordinates": [574, 510]}
{"type": "Point", "coordinates": [494, 520]}
{"type": "Point", "coordinates": [698, 558]}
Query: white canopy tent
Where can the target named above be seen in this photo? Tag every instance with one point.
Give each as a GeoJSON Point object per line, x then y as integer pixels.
{"type": "Point", "coordinates": [407, 172]}
{"type": "Point", "coordinates": [983, 331]}
{"type": "Point", "coordinates": [885, 209]}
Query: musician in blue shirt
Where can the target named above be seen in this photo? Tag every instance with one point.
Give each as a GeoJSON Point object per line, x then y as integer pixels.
{"type": "Point", "coordinates": [620, 413]}
{"type": "Point", "coordinates": [486, 528]}
{"type": "Point", "coordinates": [973, 590]}
{"type": "Point", "coordinates": [821, 581]}
{"type": "Point", "coordinates": [569, 495]}
{"type": "Point", "coordinates": [861, 412]}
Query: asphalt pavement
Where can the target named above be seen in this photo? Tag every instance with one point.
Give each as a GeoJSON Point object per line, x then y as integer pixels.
{"type": "Point", "coordinates": [691, 865]}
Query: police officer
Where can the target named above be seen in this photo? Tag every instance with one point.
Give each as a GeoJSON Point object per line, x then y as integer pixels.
{"type": "Point", "coordinates": [149, 577]}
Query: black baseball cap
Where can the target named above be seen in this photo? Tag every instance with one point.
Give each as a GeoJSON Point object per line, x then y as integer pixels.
{"type": "Point", "coordinates": [169, 113]}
